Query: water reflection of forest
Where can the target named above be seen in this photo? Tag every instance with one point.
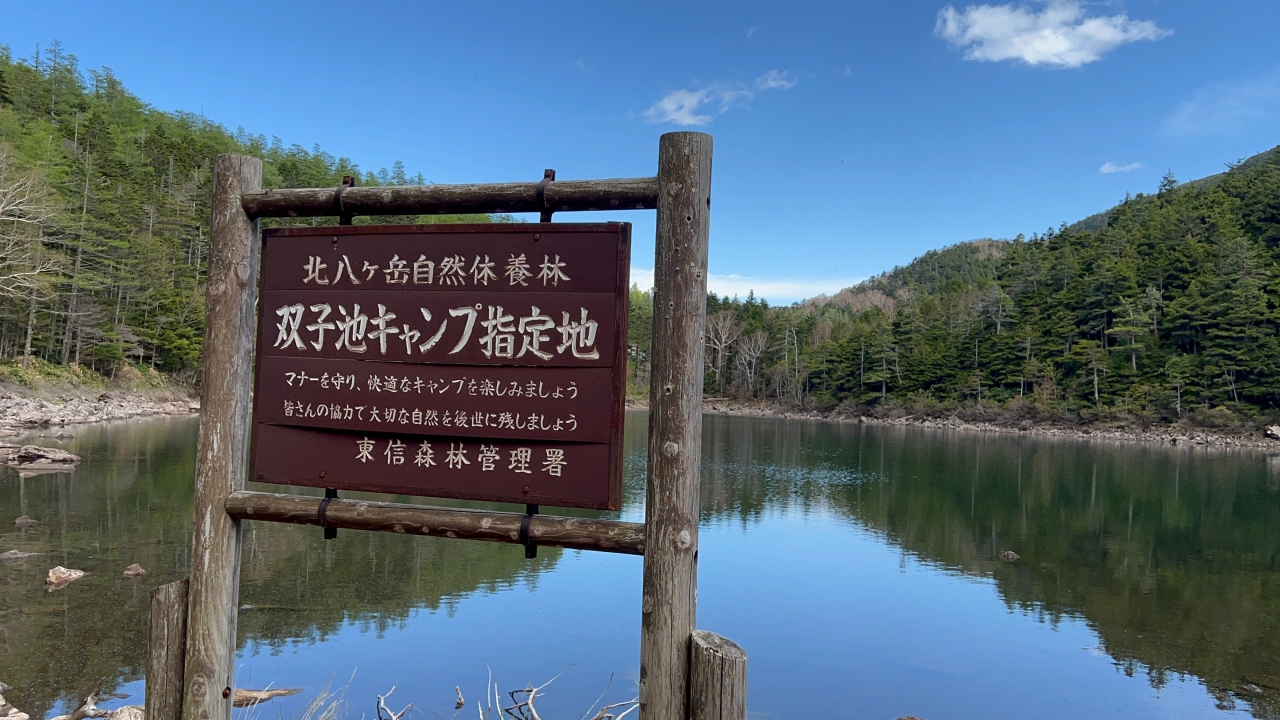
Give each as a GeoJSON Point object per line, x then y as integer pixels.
{"type": "Point", "coordinates": [131, 502]}
{"type": "Point", "coordinates": [1172, 556]}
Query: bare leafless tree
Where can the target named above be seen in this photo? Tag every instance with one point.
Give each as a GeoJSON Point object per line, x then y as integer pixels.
{"type": "Point", "coordinates": [723, 330]}
{"type": "Point", "coordinates": [24, 211]}
{"type": "Point", "coordinates": [749, 352]}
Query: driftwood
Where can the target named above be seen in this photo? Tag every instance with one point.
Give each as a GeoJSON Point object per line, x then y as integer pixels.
{"type": "Point", "coordinates": [134, 570]}
{"type": "Point", "coordinates": [246, 698]}
{"type": "Point", "coordinates": [88, 708]}
{"type": "Point", "coordinates": [25, 521]}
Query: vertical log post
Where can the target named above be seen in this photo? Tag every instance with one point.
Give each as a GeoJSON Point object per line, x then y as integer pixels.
{"type": "Point", "coordinates": [675, 424]}
{"type": "Point", "coordinates": [222, 451]}
{"type": "Point", "coordinates": [717, 678]}
{"type": "Point", "coordinates": [166, 649]}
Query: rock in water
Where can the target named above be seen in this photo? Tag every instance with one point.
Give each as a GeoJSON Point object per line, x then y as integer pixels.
{"type": "Point", "coordinates": [36, 455]}
{"type": "Point", "coordinates": [134, 570]}
{"type": "Point", "coordinates": [128, 712]}
{"type": "Point", "coordinates": [1273, 432]}
{"type": "Point", "coordinates": [25, 521]}
{"type": "Point", "coordinates": [14, 555]}
{"type": "Point", "coordinates": [1009, 556]}
{"type": "Point", "coordinates": [60, 576]}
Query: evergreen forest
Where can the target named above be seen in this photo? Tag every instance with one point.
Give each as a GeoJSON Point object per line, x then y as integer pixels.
{"type": "Point", "coordinates": [104, 218]}
{"type": "Point", "coordinates": [1164, 308]}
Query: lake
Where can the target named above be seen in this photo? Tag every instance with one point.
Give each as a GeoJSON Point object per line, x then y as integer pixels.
{"type": "Point", "coordinates": [858, 565]}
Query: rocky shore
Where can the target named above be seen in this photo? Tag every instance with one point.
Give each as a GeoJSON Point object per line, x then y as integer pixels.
{"type": "Point", "coordinates": [1163, 435]}
{"type": "Point", "coordinates": [22, 411]}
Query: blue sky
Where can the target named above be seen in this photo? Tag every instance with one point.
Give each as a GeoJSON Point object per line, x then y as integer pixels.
{"type": "Point", "coordinates": [850, 137]}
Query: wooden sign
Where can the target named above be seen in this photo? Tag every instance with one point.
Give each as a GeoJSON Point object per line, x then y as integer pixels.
{"type": "Point", "coordinates": [483, 362]}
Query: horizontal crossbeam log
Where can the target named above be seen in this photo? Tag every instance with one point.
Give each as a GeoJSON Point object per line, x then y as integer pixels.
{"type": "Point", "coordinates": [544, 530]}
{"type": "Point", "coordinates": [560, 196]}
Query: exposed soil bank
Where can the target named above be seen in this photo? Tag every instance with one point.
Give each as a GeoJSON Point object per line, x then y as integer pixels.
{"type": "Point", "coordinates": [1164, 435]}
{"type": "Point", "coordinates": [21, 409]}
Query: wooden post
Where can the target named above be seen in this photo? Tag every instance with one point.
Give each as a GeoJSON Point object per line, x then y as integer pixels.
{"type": "Point", "coordinates": [574, 533]}
{"type": "Point", "coordinates": [717, 678]}
{"type": "Point", "coordinates": [166, 648]}
{"type": "Point", "coordinates": [675, 424]}
{"type": "Point", "coordinates": [222, 451]}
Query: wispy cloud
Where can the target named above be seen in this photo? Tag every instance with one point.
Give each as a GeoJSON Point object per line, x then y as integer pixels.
{"type": "Point", "coordinates": [691, 107]}
{"type": "Point", "coordinates": [779, 290]}
{"type": "Point", "coordinates": [1226, 107]}
{"type": "Point", "coordinates": [774, 80]}
{"type": "Point", "coordinates": [751, 31]}
{"type": "Point", "coordinates": [1061, 34]}
{"type": "Point", "coordinates": [581, 65]}
{"type": "Point", "coordinates": [680, 107]}
{"type": "Point", "coordinates": [1110, 167]}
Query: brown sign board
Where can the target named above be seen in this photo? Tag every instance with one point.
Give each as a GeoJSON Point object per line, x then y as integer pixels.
{"type": "Point", "coordinates": [481, 362]}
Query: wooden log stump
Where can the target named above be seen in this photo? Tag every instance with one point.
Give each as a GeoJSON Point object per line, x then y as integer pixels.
{"type": "Point", "coordinates": [166, 651]}
{"type": "Point", "coordinates": [717, 678]}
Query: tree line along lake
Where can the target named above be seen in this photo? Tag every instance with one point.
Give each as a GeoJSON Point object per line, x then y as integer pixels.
{"type": "Point", "coordinates": [862, 568]}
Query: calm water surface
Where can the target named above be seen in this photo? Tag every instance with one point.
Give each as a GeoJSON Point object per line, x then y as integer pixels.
{"type": "Point", "coordinates": [857, 565]}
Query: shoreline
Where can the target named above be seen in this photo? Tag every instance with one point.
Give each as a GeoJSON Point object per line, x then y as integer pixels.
{"type": "Point", "coordinates": [23, 410]}
{"type": "Point", "coordinates": [1168, 436]}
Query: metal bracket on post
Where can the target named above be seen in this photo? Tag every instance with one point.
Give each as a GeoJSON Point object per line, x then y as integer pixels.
{"type": "Point", "coordinates": [348, 181]}
{"type": "Point", "coordinates": [330, 532]}
{"type": "Point", "coordinates": [548, 176]}
{"type": "Point", "coordinates": [530, 550]}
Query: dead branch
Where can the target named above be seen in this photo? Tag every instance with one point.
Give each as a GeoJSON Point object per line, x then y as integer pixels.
{"type": "Point", "coordinates": [382, 707]}
{"type": "Point", "coordinates": [88, 708]}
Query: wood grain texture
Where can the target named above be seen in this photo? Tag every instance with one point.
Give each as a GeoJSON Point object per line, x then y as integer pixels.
{"type": "Point", "coordinates": [544, 530]}
{"type": "Point", "coordinates": [717, 678]}
{"type": "Point", "coordinates": [675, 423]}
{"type": "Point", "coordinates": [166, 650]}
{"type": "Point", "coordinates": [561, 196]}
{"type": "Point", "coordinates": [222, 450]}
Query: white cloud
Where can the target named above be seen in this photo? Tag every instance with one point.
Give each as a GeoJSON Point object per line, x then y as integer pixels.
{"type": "Point", "coordinates": [680, 107]}
{"type": "Point", "coordinates": [775, 291]}
{"type": "Point", "coordinates": [581, 65]}
{"type": "Point", "coordinates": [751, 31]}
{"type": "Point", "coordinates": [774, 80]}
{"type": "Point", "coordinates": [1061, 34]}
{"type": "Point", "coordinates": [1226, 107]}
{"type": "Point", "coordinates": [1110, 167]}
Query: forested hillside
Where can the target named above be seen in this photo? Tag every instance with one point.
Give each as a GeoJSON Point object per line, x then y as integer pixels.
{"type": "Point", "coordinates": [1164, 308]}
{"type": "Point", "coordinates": [104, 214]}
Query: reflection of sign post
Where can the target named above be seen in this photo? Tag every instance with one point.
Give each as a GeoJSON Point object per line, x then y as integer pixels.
{"type": "Point", "coordinates": [465, 361]}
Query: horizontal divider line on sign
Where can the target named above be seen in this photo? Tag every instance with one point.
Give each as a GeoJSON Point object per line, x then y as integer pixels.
{"type": "Point", "coordinates": [545, 530]}
{"type": "Point", "coordinates": [560, 196]}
